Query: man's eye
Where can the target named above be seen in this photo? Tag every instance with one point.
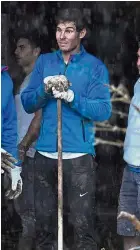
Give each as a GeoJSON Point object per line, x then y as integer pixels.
{"type": "Point", "coordinates": [21, 47]}
{"type": "Point", "coordinates": [69, 31]}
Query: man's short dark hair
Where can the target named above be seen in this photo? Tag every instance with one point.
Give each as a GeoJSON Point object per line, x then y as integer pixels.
{"type": "Point", "coordinates": [33, 37]}
{"type": "Point", "coordinates": [71, 15]}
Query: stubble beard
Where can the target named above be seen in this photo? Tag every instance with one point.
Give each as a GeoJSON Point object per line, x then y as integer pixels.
{"type": "Point", "coordinates": [70, 50]}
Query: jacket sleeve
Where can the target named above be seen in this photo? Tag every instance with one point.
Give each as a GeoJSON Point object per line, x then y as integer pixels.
{"type": "Point", "coordinates": [9, 120]}
{"type": "Point", "coordinates": [95, 104]}
{"type": "Point", "coordinates": [34, 96]}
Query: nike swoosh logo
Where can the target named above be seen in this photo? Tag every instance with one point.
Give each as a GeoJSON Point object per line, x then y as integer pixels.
{"type": "Point", "coordinates": [81, 195]}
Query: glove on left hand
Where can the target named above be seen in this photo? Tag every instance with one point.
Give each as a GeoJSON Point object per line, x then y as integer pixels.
{"type": "Point", "coordinates": [15, 187]}
{"type": "Point", "coordinates": [7, 160]}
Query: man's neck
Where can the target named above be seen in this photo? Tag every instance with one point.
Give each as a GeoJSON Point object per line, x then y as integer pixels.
{"type": "Point", "coordinates": [28, 69]}
{"type": "Point", "coordinates": [66, 55]}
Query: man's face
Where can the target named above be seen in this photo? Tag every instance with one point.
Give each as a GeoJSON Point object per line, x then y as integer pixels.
{"type": "Point", "coordinates": [138, 60]}
{"type": "Point", "coordinates": [67, 37]}
{"type": "Point", "coordinates": [25, 53]}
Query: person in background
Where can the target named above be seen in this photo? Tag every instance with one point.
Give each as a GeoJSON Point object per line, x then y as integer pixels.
{"type": "Point", "coordinates": [86, 100]}
{"type": "Point", "coordinates": [9, 156]}
{"type": "Point", "coordinates": [27, 52]}
{"type": "Point", "coordinates": [129, 200]}
{"type": "Point", "coordinates": [11, 181]}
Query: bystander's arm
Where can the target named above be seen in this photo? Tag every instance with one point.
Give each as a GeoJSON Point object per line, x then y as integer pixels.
{"type": "Point", "coordinates": [31, 135]}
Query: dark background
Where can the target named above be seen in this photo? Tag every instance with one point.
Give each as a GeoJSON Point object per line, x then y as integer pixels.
{"type": "Point", "coordinates": [113, 37]}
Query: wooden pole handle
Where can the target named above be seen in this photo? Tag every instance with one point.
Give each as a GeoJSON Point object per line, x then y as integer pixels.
{"type": "Point", "coordinates": [60, 177]}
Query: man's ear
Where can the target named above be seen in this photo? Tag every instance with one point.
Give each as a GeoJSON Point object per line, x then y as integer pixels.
{"type": "Point", "coordinates": [37, 51]}
{"type": "Point", "coordinates": [82, 33]}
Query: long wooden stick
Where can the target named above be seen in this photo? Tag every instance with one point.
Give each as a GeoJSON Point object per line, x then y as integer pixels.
{"type": "Point", "coordinates": [60, 177]}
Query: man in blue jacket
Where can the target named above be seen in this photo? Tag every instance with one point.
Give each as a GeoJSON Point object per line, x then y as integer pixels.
{"type": "Point", "coordinates": [9, 136]}
{"type": "Point", "coordinates": [11, 182]}
{"type": "Point", "coordinates": [87, 100]}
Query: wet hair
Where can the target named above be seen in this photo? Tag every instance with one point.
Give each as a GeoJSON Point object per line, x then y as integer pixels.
{"type": "Point", "coordinates": [71, 15]}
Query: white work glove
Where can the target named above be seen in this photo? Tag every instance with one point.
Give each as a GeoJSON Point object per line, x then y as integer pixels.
{"type": "Point", "coordinates": [48, 83]}
{"type": "Point", "coordinates": [12, 176]}
{"type": "Point", "coordinates": [67, 96]}
{"type": "Point", "coordinates": [59, 82]}
{"type": "Point", "coordinates": [7, 160]}
{"type": "Point", "coordinates": [15, 186]}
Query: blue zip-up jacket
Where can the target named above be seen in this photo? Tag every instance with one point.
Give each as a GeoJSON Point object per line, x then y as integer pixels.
{"type": "Point", "coordinates": [132, 137]}
{"type": "Point", "coordinates": [8, 114]}
{"type": "Point", "coordinates": [90, 83]}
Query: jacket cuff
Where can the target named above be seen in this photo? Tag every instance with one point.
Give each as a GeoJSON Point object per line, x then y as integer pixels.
{"type": "Point", "coordinates": [41, 92]}
{"type": "Point", "coordinates": [75, 103]}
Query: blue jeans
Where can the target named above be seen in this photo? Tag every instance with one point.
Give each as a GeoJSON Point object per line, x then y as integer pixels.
{"type": "Point", "coordinates": [129, 201]}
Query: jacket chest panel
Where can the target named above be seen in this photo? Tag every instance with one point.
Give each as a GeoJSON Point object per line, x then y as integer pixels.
{"type": "Point", "coordinates": [76, 74]}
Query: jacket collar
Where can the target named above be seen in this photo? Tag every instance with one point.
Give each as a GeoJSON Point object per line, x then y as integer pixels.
{"type": "Point", "coordinates": [74, 57]}
{"type": "Point", "coordinates": [4, 68]}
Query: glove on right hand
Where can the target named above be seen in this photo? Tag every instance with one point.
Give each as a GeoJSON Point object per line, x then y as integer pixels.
{"type": "Point", "coordinates": [12, 178]}
{"type": "Point", "coordinates": [7, 160]}
{"type": "Point", "coordinates": [15, 185]}
{"type": "Point", "coordinates": [59, 82]}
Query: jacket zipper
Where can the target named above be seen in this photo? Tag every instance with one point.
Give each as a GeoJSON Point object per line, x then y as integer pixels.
{"type": "Point", "coordinates": [66, 65]}
{"type": "Point", "coordinates": [65, 69]}
{"type": "Point", "coordinates": [83, 129]}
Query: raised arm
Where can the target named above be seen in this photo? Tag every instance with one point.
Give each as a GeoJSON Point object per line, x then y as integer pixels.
{"type": "Point", "coordinates": [31, 135]}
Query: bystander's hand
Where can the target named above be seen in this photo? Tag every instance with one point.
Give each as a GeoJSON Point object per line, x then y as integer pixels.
{"type": "Point", "coordinates": [7, 160]}
{"type": "Point", "coordinates": [22, 149]}
{"type": "Point", "coordinates": [12, 178]}
{"type": "Point", "coordinates": [14, 181]}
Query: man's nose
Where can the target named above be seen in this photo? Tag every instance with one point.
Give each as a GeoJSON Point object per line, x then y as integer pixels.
{"type": "Point", "coordinates": [138, 62]}
{"type": "Point", "coordinates": [62, 35]}
{"type": "Point", "coordinates": [16, 51]}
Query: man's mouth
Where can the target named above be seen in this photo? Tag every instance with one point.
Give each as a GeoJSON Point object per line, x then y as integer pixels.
{"type": "Point", "coordinates": [61, 43]}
